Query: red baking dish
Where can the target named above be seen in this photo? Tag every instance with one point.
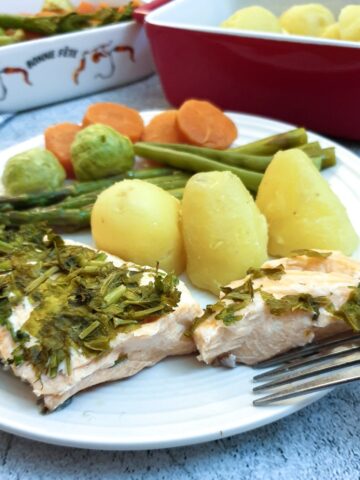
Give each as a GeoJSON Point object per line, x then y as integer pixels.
{"type": "Point", "coordinates": [312, 82]}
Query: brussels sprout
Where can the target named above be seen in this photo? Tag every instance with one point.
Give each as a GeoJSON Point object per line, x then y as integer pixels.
{"type": "Point", "coordinates": [99, 151]}
{"type": "Point", "coordinates": [35, 170]}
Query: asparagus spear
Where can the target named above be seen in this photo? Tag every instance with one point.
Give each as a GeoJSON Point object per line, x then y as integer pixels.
{"type": "Point", "coordinates": [74, 213]}
{"type": "Point", "coordinates": [29, 200]}
{"type": "Point", "coordinates": [165, 182]}
{"type": "Point", "coordinates": [4, 207]}
{"type": "Point", "coordinates": [195, 163]}
{"type": "Point", "coordinates": [43, 25]}
{"type": "Point", "coordinates": [69, 22]}
{"type": "Point", "coordinates": [70, 219]}
{"type": "Point", "coordinates": [105, 16]}
{"type": "Point", "coordinates": [75, 202]}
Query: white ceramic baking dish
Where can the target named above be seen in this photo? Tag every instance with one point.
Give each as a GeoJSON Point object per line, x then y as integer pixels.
{"type": "Point", "coordinates": [61, 67]}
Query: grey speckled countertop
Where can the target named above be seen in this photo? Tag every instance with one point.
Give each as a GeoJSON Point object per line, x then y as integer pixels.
{"type": "Point", "coordinates": [321, 442]}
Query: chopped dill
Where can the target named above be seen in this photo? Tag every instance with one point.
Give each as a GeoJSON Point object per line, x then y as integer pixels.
{"type": "Point", "coordinates": [80, 300]}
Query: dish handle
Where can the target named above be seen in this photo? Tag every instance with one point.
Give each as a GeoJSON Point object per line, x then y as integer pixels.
{"type": "Point", "coordinates": [141, 12]}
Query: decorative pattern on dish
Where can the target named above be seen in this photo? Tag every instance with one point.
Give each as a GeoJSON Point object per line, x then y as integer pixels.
{"type": "Point", "coordinates": [105, 51]}
{"type": "Point", "coordinates": [9, 71]}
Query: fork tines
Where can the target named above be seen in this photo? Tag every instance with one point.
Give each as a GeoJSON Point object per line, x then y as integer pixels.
{"type": "Point", "coordinates": [339, 357]}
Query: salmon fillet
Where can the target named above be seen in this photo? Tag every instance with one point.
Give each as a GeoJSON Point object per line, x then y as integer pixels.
{"type": "Point", "coordinates": [129, 352]}
{"type": "Point", "coordinates": [255, 333]}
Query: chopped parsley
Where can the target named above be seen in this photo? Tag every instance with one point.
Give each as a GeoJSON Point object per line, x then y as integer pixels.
{"type": "Point", "coordinates": [80, 300]}
{"type": "Point", "coordinates": [241, 297]}
{"type": "Point", "coordinates": [275, 273]}
{"type": "Point", "coordinates": [292, 303]}
{"type": "Point", "coordinates": [350, 310]}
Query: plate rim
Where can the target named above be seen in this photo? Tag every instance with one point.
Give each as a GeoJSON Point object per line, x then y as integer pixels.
{"type": "Point", "coordinates": [40, 435]}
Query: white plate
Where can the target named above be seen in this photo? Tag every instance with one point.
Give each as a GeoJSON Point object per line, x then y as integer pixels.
{"type": "Point", "coordinates": [179, 401]}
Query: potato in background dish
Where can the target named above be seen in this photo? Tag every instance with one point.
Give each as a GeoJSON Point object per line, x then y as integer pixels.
{"type": "Point", "coordinates": [310, 20]}
{"type": "Point", "coordinates": [332, 32]}
{"type": "Point", "coordinates": [253, 18]}
{"type": "Point", "coordinates": [349, 23]}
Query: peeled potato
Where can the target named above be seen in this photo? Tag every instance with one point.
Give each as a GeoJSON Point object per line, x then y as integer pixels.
{"type": "Point", "coordinates": [332, 31]}
{"type": "Point", "coordinates": [139, 222]}
{"type": "Point", "coordinates": [301, 209]}
{"type": "Point", "coordinates": [253, 18]}
{"type": "Point", "coordinates": [349, 23]}
{"type": "Point", "coordinates": [224, 232]}
{"type": "Point", "coordinates": [310, 19]}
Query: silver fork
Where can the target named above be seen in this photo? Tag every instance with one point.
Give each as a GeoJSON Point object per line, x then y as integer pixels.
{"type": "Point", "coordinates": [331, 362]}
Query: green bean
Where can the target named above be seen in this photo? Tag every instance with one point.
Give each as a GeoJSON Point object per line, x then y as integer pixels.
{"type": "Point", "coordinates": [317, 161]}
{"type": "Point", "coordinates": [195, 163]}
{"type": "Point", "coordinates": [329, 157]}
{"type": "Point", "coordinates": [270, 145]}
{"type": "Point", "coordinates": [311, 149]}
{"type": "Point", "coordinates": [255, 163]}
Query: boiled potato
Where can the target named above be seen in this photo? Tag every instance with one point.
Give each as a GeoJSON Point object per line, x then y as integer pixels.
{"type": "Point", "coordinates": [301, 209]}
{"type": "Point", "coordinates": [349, 23]}
{"type": "Point", "coordinates": [332, 31]}
{"type": "Point", "coordinates": [253, 18]}
{"type": "Point", "coordinates": [310, 19]}
{"type": "Point", "coordinates": [224, 232]}
{"type": "Point", "coordinates": [139, 222]}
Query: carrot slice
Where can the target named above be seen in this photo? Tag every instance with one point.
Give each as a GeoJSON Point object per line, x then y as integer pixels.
{"type": "Point", "coordinates": [58, 139]}
{"type": "Point", "coordinates": [123, 119]}
{"type": "Point", "coordinates": [205, 125]}
{"type": "Point", "coordinates": [85, 7]}
{"type": "Point", "coordinates": [163, 129]}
